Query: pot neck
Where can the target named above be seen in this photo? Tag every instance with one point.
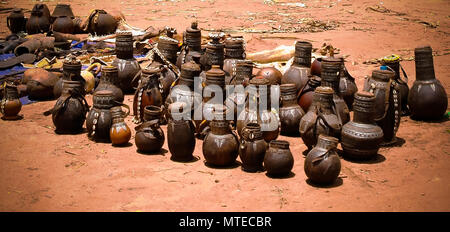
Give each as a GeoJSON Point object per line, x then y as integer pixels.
{"type": "Point", "coordinates": [424, 64]}
{"type": "Point", "coordinates": [220, 127]}
{"type": "Point", "coordinates": [327, 142]}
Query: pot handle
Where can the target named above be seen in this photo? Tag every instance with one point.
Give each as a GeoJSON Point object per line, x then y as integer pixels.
{"type": "Point", "coordinates": [94, 65]}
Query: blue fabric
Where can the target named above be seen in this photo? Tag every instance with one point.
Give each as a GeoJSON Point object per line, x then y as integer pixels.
{"type": "Point", "coordinates": [25, 100]}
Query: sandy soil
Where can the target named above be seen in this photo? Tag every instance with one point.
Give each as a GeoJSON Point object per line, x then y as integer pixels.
{"type": "Point", "coordinates": [41, 171]}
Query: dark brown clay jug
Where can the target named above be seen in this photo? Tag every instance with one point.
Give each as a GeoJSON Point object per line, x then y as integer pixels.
{"type": "Point", "coordinates": [148, 93]}
{"type": "Point", "coordinates": [70, 109]}
{"type": "Point", "coordinates": [393, 63]}
{"type": "Point", "coordinates": [300, 70]}
{"type": "Point", "coordinates": [427, 98]}
{"type": "Point", "coordinates": [39, 21]}
{"type": "Point", "coordinates": [244, 72]}
{"type": "Point", "coordinates": [347, 85]}
{"type": "Point", "coordinates": [127, 66]}
{"type": "Point", "coordinates": [278, 160]}
{"type": "Point", "coordinates": [290, 112]}
{"type": "Point", "coordinates": [149, 135]}
{"type": "Point", "coordinates": [119, 133]}
{"type": "Point", "coordinates": [272, 74]}
{"type": "Point", "coordinates": [192, 44]}
{"type": "Point", "coordinates": [214, 55]}
{"type": "Point", "coordinates": [387, 103]}
{"type": "Point", "coordinates": [108, 81]}
{"type": "Point", "coordinates": [100, 23]}
{"type": "Point", "coordinates": [71, 72]}
{"type": "Point", "coordinates": [10, 105]}
{"type": "Point", "coordinates": [62, 10]}
{"type": "Point", "coordinates": [63, 24]}
{"type": "Point", "coordinates": [321, 118]}
{"type": "Point", "coordinates": [361, 137]}
{"type": "Point", "coordinates": [234, 51]}
{"type": "Point", "coordinates": [305, 96]}
{"type": "Point", "coordinates": [252, 148]}
{"type": "Point", "coordinates": [331, 67]}
{"type": "Point", "coordinates": [16, 21]}
{"type": "Point", "coordinates": [180, 133]}
{"type": "Point", "coordinates": [322, 164]}
{"type": "Point", "coordinates": [221, 144]}
{"type": "Point", "coordinates": [259, 90]}
{"type": "Point", "coordinates": [99, 119]}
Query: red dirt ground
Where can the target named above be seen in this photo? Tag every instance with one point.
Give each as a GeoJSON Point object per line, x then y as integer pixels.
{"type": "Point", "coordinates": [41, 171]}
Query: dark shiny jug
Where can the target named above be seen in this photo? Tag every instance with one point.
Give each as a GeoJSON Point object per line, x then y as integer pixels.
{"type": "Point", "coordinates": [331, 67]}
{"type": "Point", "coordinates": [272, 74]}
{"type": "Point", "coordinates": [167, 54]}
{"type": "Point", "coordinates": [427, 98]}
{"type": "Point", "coordinates": [127, 65]}
{"type": "Point", "coordinates": [290, 112]}
{"type": "Point", "coordinates": [101, 23]}
{"type": "Point", "coordinates": [221, 144]}
{"type": "Point", "coordinates": [71, 72]}
{"type": "Point", "coordinates": [387, 103]}
{"type": "Point", "coordinates": [305, 96]}
{"type": "Point", "coordinates": [361, 137]}
{"type": "Point", "coordinates": [252, 148]}
{"type": "Point", "coordinates": [321, 118]}
{"type": "Point", "coordinates": [180, 133]}
{"type": "Point", "coordinates": [16, 21]}
{"type": "Point", "coordinates": [99, 119]}
{"type": "Point", "coordinates": [322, 164]}
{"type": "Point", "coordinates": [192, 44]}
{"type": "Point", "coordinates": [278, 160]}
{"type": "Point", "coordinates": [148, 93]}
{"type": "Point", "coordinates": [108, 81]}
{"type": "Point", "coordinates": [70, 110]}
{"type": "Point", "coordinates": [63, 24]}
{"type": "Point", "coordinates": [259, 90]}
{"type": "Point", "coordinates": [119, 133]}
{"type": "Point", "coordinates": [393, 62]}
{"type": "Point", "coordinates": [39, 21]}
{"type": "Point", "coordinates": [10, 105]}
{"type": "Point", "coordinates": [300, 70]}
{"type": "Point", "coordinates": [347, 85]}
{"type": "Point", "coordinates": [234, 51]}
{"type": "Point", "coordinates": [149, 135]}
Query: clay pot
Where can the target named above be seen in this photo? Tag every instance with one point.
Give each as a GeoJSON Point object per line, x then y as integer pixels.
{"type": "Point", "coordinates": [108, 81]}
{"type": "Point", "coordinates": [119, 133]}
{"type": "Point", "coordinates": [361, 138]}
{"type": "Point", "coordinates": [101, 23]}
{"type": "Point", "coordinates": [331, 67]}
{"type": "Point", "coordinates": [272, 74]}
{"type": "Point", "coordinates": [387, 103]}
{"type": "Point", "coordinates": [62, 10]}
{"type": "Point", "coordinates": [269, 121]}
{"type": "Point", "coordinates": [221, 144]}
{"type": "Point", "coordinates": [149, 135]}
{"type": "Point", "coordinates": [192, 43]}
{"type": "Point", "coordinates": [252, 148]}
{"type": "Point", "coordinates": [35, 44]}
{"type": "Point", "coordinates": [322, 164]}
{"type": "Point", "coordinates": [244, 70]}
{"type": "Point", "coordinates": [290, 112]}
{"type": "Point", "coordinates": [148, 92]}
{"type": "Point", "coordinates": [16, 21]}
{"type": "Point", "coordinates": [305, 96]}
{"type": "Point", "coordinates": [180, 133]}
{"type": "Point", "coordinates": [10, 105]}
{"type": "Point", "coordinates": [99, 119]}
{"type": "Point", "coordinates": [427, 98]}
{"type": "Point", "coordinates": [234, 51]}
{"type": "Point", "coordinates": [71, 72]}
{"type": "Point", "coordinates": [214, 53]}
{"type": "Point", "coordinates": [321, 118]}
{"type": "Point", "coordinates": [40, 83]}
{"type": "Point", "coordinates": [70, 110]}
{"type": "Point", "coordinates": [316, 68]}
{"type": "Point", "coordinates": [347, 86]}
{"type": "Point", "coordinates": [39, 20]}
{"type": "Point", "coordinates": [63, 24]}
{"type": "Point", "coordinates": [300, 70]}
{"type": "Point", "coordinates": [127, 65]}
{"type": "Point", "coordinates": [168, 47]}
{"type": "Point", "coordinates": [278, 160]}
